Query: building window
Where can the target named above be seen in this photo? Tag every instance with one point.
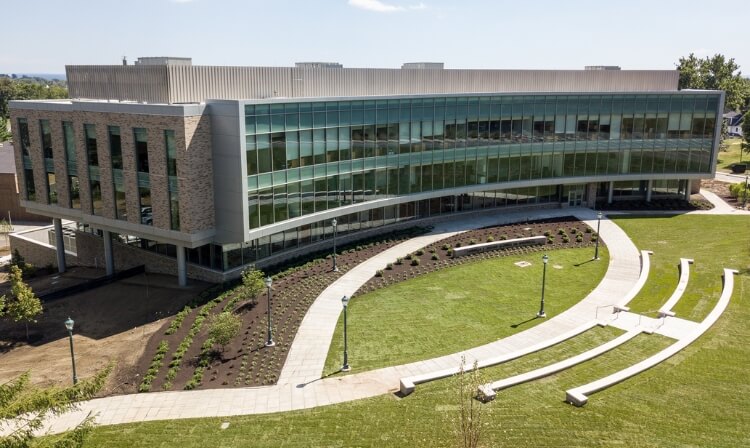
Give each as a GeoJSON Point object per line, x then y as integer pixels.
{"type": "Point", "coordinates": [91, 154]}
{"type": "Point", "coordinates": [51, 188]}
{"type": "Point", "coordinates": [115, 147]}
{"type": "Point", "coordinates": [147, 214]}
{"type": "Point", "coordinates": [46, 138]}
{"type": "Point", "coordinates": [30, 188]}
{"type": "Point", "coordinates": [23, 130]}
{"type": "Point", "coordinates": [141, 149]}
{"type": "Point", "coordinates": [174, 201]}
{"type": "Point", "coordinates": [74, 192]}
{"type": "Point", "coordinates": [120, 204]}
{"type": "Point", "coordinates": [69, 142]}
{"type": "Point", "coordinates": [96, 196]}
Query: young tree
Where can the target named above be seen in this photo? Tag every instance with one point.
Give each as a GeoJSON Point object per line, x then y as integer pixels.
{"type": "Point", "coordinates": [24, 408]}
{"type": "Point", "coordinates": [23, 306]}
{"type": "Point", "coordinates": [468, 422]}
{"type": "Point", "coordinates": [224, 327]}
{"type": "Point", "coordinates": [715, 73]}
{"type": "Point", "coordinates": [252, 280]}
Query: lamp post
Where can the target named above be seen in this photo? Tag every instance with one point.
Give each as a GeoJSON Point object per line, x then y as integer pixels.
{"type": "Point", "coordinates": [69, 325]}
{"type": "Point", "coordinates": [545, 259]}
{"type": "Point", "coordinates": [744, 199]}
{"type": "Point", "coordinates": [269, 340]}
{"type": "Point", "coordinates": [333, 223]}
{"type": "Point", "coordinates": [598, 226]}
{"type": "Point", "coordinates": [345, 367]}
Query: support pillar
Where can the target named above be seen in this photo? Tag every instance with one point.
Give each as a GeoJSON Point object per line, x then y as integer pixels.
{"type": "Point", "coordinates": [687, 189]}
{"type": "Point", "coordinates": [181, 266]}
{"type": "Point", "coordinates": [59, 245]}
{"type": "Point", "coordinates": [109, 259]}
{"type": "Point", "coordinates": [649, 189]}
{"type": "Point", "coordinates": [611, 192]}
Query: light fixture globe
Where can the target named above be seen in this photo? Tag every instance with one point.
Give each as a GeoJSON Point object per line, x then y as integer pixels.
{"type": "Point", "coordinates": [269, 282]}
{"type": "Point", "coordinates": [69, 324]}
{"type": "Point", "coordinates": [599, 215]}
{"type": "Point", "coordinates": [345, 301]}
{"type": "Point", "coordinates": [334, 222]}
{"type": "Point", "coordinates": [545, 258]}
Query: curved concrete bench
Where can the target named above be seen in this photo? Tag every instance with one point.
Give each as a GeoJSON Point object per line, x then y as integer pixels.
{"type": "Point", "coordinates": [515, 242]}
{"type": "Point", "coordinates": [645, 269]}
{"type": "Point", "coordinates": [407, 384]}
{"type": "Point", "coordinates": [579, 396]}
{"type": "Point", "coordinates": [486, 392]}
{"type": "Point", "coordinates": [666, 309]}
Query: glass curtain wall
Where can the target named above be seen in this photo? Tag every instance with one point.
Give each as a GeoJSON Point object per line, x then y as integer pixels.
{"type": "Point", "coordinates": [307, 157]}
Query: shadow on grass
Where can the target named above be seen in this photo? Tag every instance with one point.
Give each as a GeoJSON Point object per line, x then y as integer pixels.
{"type": "Point", "coordinates": [524, 322]}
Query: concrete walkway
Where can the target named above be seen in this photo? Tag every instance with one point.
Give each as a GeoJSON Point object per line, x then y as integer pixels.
{"type": "Point", "coordinates": [301, 387]}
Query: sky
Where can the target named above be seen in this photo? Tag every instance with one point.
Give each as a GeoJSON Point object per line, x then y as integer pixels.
{"type": "Point", "coordinates": [45, 35]}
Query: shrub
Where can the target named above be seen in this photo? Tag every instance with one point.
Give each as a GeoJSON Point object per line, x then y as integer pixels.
{"type": "Point", "coordinates": [177, 322]}
{"type": "Point", "coordinates": [415, 262]}
{"type": "Point", "coordinates": [565, 239]}
{"type": "Point", "coordinates": [420, 252]}
{"type": "Point", "coordinates": [594, 238]}
{"type": "Point", "coordinates": [409, 256]}
{"type": "Point", "coordinates": [432, 250]}
{"type": "Point", "coordinates": [561, 231]}
{"type": "Point", "coordinates": [450, 252]}
{"type": "Point", "coordinates": [550, 240]}
{"type": "Point", "coordinates": [579, 238]}
{"type": "Point", "coordinates": [399, 261]}
{"type": "Point", "coordinates": [574, 231]}
{"type": "Point", "coordinates": [435, 257]}
{"type": "Point", "coordinates": [472, 241]}
{"type": "Point", "coordinates": [547, 233]}
{"type": "Point", "coordinates": [458, 244]}
{"type": "Point", "coordinates": [379, 273]}
{"type": "Point", "coordinates": [389, 266]}
{"type": "Point", "coordinates": [224, 327]}
{"type": "Point", "coordinates": [446, 246]}
{"type": "Point", "coordinates": [503, 237]}
{"type": "Point", "coordinates": [490, 239]}
{"type": "Point", "coordinates": [588, 230]}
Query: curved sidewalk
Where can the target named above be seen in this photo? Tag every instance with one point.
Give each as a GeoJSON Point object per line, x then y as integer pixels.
{"type": "Point", "coordinates": [302, 387]}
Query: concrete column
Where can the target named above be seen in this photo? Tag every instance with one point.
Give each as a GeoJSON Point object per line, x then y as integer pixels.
{"type": "Point", "coordinates": [649, 188]}
{"type": "Point", "coordinates": [611, 192]}
{"type": "Point", "coordinates": [181, 266]}
{"type": "Point", "coordinates": [59, 245]}
{"type": "Point", "coordinates": [109, 259]}
{"type": "Point", "coordinates": [687, 189]}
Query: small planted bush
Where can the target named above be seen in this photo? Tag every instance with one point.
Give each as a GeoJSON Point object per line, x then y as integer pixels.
{"type": "Point", "coordinates": [420, 252]}
{"type": "Point", "coordinates": [415, 262]}
{"type": "Point", "coordinates": [565, 239]}
{"type": "Point", "coordinates": [472, 241]}
{"type": "Point", "coordinates": [449, 252]}
{"type": "Point", "coordinates": [561, 231]}
{"type": "Point", "coordinates": [435, 257]}
{"type": "Point", "coordinates": [446, 246]}
{"type": "Point", "coordinates": [579, 238]}
{"type": "Point", "coordinates": [490, 239]}
{"type": "Point", "coordinates": [588, 230]}
{"type": "Point", "coordinates": [399, 261]}
{"type": "Point", "coordinates": [547, 233]}
{"type": "Point", "coordinates": [379, 273]}
{"type": "Point", "coordinates": [409, 256]}
{"type": "Point", "coordinates": [389, 266]}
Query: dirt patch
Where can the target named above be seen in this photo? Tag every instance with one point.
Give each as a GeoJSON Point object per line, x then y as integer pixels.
{"type": "Point", "coordinates": [721, 189]}
{"type": "Point", "coordinates": [112, 323]}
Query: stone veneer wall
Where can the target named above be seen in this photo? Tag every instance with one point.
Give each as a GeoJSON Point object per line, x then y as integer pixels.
{"type": "Point", "coordinates": [194, 163]}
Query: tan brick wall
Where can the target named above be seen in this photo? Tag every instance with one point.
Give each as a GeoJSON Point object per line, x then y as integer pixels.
{"type": "Point", "coordinates": [194, 163]}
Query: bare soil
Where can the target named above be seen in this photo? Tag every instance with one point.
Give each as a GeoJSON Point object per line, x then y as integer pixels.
{"type": "Point", "coordinates": [721, 189]}
{"type": "Point", "coordinates": [112, 323]}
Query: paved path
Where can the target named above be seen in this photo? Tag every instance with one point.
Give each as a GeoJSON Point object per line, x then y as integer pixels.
{"type": "Point", "coordinates": [301, 388]}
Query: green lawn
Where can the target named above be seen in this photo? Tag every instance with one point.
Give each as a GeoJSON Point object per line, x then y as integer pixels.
{"type": "Point", "coordinates": [731, 155]}
{"type": "Point", "coordinates": [460, 307]}
{"type": "Point", "coordinates": [696, 398]}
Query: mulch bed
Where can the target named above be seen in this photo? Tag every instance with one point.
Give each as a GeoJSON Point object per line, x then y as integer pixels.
{"type": "Point", "coordinates": [721, 189]}
{"type": "Point", "coordinates": [247, 362]}
{"type": "Point", "coordinates": [437, 255]}
{"type": "Point", "coordinates": [698, 203]}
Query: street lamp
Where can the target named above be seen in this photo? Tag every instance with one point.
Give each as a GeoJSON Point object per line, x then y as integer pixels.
{"type": "Point", "coordinates": [269, 340]}
{"type": "Point", "coordinates": [345, 367]}
{"type": "Point", "coordinates": [598, 225]}
{"type": "Point", "coordinates": [744, 199]}
{"type": "Point", "coordinates": [545, 259]}
{"type": "Point", "coordinates": [69, 325]}
{"type": "Point", "coordinates": [333, 223]}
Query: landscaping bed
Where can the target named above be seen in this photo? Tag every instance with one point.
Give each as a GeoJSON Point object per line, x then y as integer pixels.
{"type": "Point", "coordinates": [178, 356]}
{"type": "Point", "coordinates": [563, 232]}
{"type": "Point", "coordinates": [657, 205]}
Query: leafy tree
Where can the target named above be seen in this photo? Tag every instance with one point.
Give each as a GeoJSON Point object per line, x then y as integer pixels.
{"type": "Point", "coordinates": [252, 280]}
{"type": "Point", "coordinates": [5, 134]}
{"type": "Point", "coordinates": [715, 73]}
{"type": "Point", "coordinates": [224, 327]}
{"type": "Point", "coordinates": [746, 132]}
{"type": "Point", "coordinates": [24, 305]}
{"type": "Point", "coordinates": [24, 408]}
{"type": "Point", "coordinates": [2, 306]}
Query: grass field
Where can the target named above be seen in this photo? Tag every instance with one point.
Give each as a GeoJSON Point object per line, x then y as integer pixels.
{"type": "Point", "coordinates": [460, 307]}
{"type": "Point", "coordinates": [696, 398]}
{"type": "Point", "coordinates": [731, 155]}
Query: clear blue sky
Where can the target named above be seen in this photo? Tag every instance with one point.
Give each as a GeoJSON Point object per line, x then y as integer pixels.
{"type": "Point", "coordinates": [43, 36]}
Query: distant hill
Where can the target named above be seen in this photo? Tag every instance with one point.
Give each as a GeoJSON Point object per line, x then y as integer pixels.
{"type": "Point", "coordinates": [48, 76]}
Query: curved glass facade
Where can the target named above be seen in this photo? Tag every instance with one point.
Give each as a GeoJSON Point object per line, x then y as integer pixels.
{"type": "Point", "coordinates": [307, 157]}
